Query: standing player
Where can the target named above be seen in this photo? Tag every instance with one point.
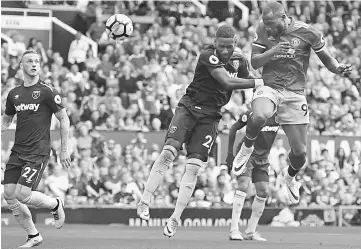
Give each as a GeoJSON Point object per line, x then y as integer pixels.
{"type": "Point", "coordinates": [34, 102]}
{"type": "Point", "coordinates": [196, 119]}
{"type": "Point", "coordinates": [282, 46]}
{"type": "Point", "coordinates": [256, 169]}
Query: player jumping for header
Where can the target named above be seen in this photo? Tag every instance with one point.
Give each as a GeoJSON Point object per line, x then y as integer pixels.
{"type": "Point", "coordinates": [256, 169]}
{"type": "Point", "coordinates": [196, 119]}
{"type": "Point", "coordinates": [282, 46]}
{"type": "Point", "coordinates": [34, 103]}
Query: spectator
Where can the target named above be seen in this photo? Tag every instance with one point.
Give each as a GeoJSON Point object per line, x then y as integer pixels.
{"type": "Point", "coordinates": [96, 29]}
{"type": "Point", "coordinates": [78, 51]}
{"type": "Point", "coordinates": [275, 153]}
{"type": "Point", "coordinates": [57, 183]}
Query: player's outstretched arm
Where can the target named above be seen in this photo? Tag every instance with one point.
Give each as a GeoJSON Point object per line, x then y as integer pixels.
{"type": "Point", "coordinates": [221, 75]}
{"type": "Point", "coordinates": [332, 64]}
{"type": "Point", "coordinates": [63, 118]}
{"type": "Point", "coordinates": [6, 121]}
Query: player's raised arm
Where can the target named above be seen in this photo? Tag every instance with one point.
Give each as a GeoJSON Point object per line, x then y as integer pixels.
{"type": "Point", "coordinates": [330, 63]}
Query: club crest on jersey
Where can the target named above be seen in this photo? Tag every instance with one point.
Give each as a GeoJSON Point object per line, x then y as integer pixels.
{"type": "Point", "coordinates": [36, 94]}
{"type": "Point", "coordinates": [16, 96]}
{"type": "Point", "coordinates": [172, 129]}
{"type": "Point", "coordinates": [236, 64]}
{"type": "Point", "coordinates": [295, 42]}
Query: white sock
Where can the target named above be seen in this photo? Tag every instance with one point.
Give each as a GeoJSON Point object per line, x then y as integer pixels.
{"type": "Point", "coordinates": [23, 216]}
{"type": "Point", "coordinates": [257, 211]}
{"type": "Point", "coordinates": [40, 200]}
{"type": "Point", "coordinates": [161, 165]}
{"type": "Point", "coordinates": [187, 186]}
{"type": "Point", "coordinates": [238, 201]}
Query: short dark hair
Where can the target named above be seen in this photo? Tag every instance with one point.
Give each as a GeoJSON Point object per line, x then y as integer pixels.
{"type": "Point", "coordinates": [275, 8]}
{"type": "Point", "coordinates": [29, 51]}
{"type": "Point", "coordinates": [226, 31]}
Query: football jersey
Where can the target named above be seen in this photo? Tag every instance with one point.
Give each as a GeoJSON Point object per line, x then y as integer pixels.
{"type": "Point", "coordinates": [34, 107]}
{"type": "Point", "coordinates": [266, 137]}
{"type": "Point", "coordinates": [205, 93]}
{"type": "Point", "coordinates": [289, 70]}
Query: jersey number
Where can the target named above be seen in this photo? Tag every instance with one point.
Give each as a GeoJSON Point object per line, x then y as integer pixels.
{"type": "Point", "coordinates": [208, 144]}
{"type": "Point", "coordinates": [305, 109]}
{"type": "Point", "coordinates": [26, 174]}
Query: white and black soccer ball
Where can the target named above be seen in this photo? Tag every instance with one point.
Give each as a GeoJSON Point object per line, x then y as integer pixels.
{"type": "Point", "coordinates": [119, 27]}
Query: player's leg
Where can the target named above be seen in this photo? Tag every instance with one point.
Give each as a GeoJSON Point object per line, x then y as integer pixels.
{"type": "Point", "coordinates": [238, 201]}
{"type": "Point", "coordinates": [265, 101]}
{"type": "Point", "coordinates": [198, 148]}
{"type": "Point", "coordinates": [297, 138]}
{"type": "Point", "coordinates": [260, 177]}
{"type": "Point", "coordinates": [294, 117]}
{"type": "Point", "coordinates": [29, 177]}
{"type": "Point", "coordinates": [178, 132]}
{"type": "Point", "coordinates": [20, 211]}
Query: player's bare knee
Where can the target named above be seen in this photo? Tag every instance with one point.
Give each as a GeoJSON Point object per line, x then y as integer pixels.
{"type": "Point", "coordinates": [9, 191]}
{"type": "Point", "coordinates": [260, 118]}
{"type": "Point", "coordinates": [262, 192]}
{"type": "Point", "coordinates": [198, 156]}
{"type": "Point", "coordinates": [23, 194]}
{"type": "Point", "coordinates": [173, 145]}
{"type": "Point", "coordinates": [193, 166]}
{"type": "Point", "coordinates": [300, 152]}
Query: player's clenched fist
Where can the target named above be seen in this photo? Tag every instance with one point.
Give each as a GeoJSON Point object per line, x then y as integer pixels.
{"type": "Point", "coordinates": [344, 69]}
{"type": "Point", "coordinates": [65, 159]}
{"type": "Point", "coordinates": [281, 48]}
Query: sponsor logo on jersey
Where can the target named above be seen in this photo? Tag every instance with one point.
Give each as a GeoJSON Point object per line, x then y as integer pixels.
{"type": "Point", "coordinates": [36, 94]}
{"type": "Point", "coordinates": [271, 38]}
{"type": "Point", "coordinates": [25, 107]}
{"type": "Point", "coordinates": [16, 96]}
{"type": "Point", "coordinates": [270, 128]}
{"type": "Point", "coordinates": [236, 64]}
{"type": "Point", "coordinates": [295, 42]}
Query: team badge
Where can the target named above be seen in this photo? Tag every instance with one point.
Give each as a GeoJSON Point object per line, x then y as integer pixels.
{"type": "Point", "coordinates": [236, 64]}
{"type": "Point", "coordinates": [57, 99]}
{"type": "Point", "coordinates": [16, 96]}
{"type": "Point", "coordinates": [36, 94]}
{"type": "Point", "coordinates": [295, 42]}
{"type": "Point", "coordinates": [213, 60]}
{"type": "Point", "coordinates": [276, 119]}
{"type": "Point", "coordinates": [255, 37]}
{"type": "Point", "coordinates": [172, 129]}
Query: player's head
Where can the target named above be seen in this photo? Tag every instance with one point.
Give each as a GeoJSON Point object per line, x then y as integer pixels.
{"type": "Point", "coordinates": [274, 18]}
{"type": "Point", "coordinates": [30, 63]}
{"type": "Point", "coordinates": [225, 41]}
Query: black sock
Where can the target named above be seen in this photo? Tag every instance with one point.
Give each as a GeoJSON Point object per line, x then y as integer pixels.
{"type": "Point", "coordinates": [291, 171]}
{"type": "Point", "coordinates": [33, 236]}
{"type": "Point", "coordinates": [57, 205]}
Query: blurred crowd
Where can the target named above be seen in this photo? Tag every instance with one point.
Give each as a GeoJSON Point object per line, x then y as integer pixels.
{"type": "Point", "coordinates": [135, 86]}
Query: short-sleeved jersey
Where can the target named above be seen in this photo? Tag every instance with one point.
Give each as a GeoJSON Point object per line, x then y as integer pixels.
{"type": "Point", "coordinates": [266, 137]}
{"type": "Point", "coordinates": [289, 70]}
{"type": "Point", "coordinates": [205, 93]}
{"type": "Point", "coordinates": [34, 107]}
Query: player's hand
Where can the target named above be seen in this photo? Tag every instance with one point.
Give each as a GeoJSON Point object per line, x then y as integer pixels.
{"type": "Point", "coordinates": [281, 48]}
{"type": "Point", "coordinates": [65, 159]}
{"type": "Point", "coordinates": [344, 69]}
{"type": "Point", "coordinates": [229, 159]}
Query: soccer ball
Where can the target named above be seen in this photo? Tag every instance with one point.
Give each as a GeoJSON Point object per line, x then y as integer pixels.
{"type": "Point", "coordinates": [119, 27]}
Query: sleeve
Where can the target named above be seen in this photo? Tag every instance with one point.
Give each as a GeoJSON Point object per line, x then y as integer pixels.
{"type": "Point", "coordinates": [53, 100]}
{"type": "Point", "coordinates": [316, 39]}
{"type": "Point", "coordinates": [210, 60]}
{"type": "Point", "coordinates": [9, 107]}
{"type": "Point", "coordinates": [259, 39]}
